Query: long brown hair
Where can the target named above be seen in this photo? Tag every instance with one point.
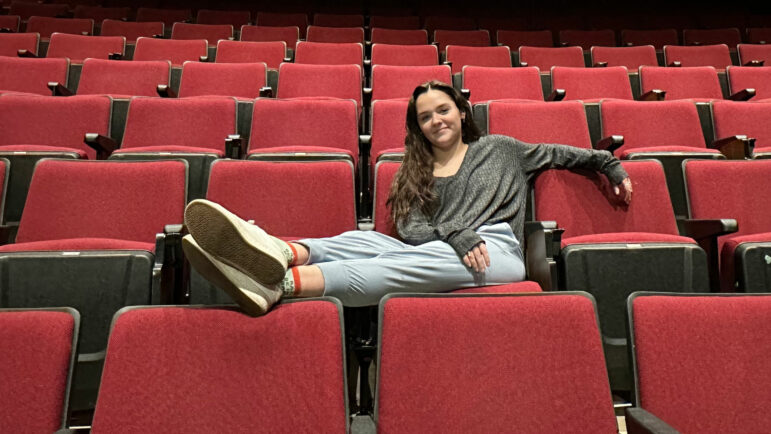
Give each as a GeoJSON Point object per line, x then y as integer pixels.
{"type": "Point", "coordinates": [414, 181]}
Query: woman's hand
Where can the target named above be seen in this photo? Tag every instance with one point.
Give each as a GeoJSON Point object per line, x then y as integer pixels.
{"type": "Point", "coordinates": [477, 258]}
{"type": "Point", "coordinates": [624, 190]}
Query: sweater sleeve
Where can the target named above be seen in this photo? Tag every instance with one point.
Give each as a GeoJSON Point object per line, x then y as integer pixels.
{"type": "Point", "coordinates": [459, 236]}
{"type": "Point", "coordinates": [418, 229]}
{"type": "Point", "coordinates": [544, 156]}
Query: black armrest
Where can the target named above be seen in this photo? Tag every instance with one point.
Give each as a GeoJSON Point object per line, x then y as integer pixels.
{"type": "Point", "coordinates": [676, 64]}
{"type": "Point", "coordinates": [448, 63]}
{"type": "Point", "coordinates": [556, 95]}
{"type": "Point", "coordinates": [158, 36]}
{"type": "Point", "coordinates": [542, 245]}
{"type": "Point", "coordinates": [367, 63]}
{"type": "Point", "coordinates": [5, 30]}
{"type": "Point", "coordinates": [630, 44]}
{"type": "Point", "coordinates": [600, 64]}
{"type": "Point", "coordinates": [362, 424]}
{"type": "Point", "coordinates": [466, 93]}
{"type": "Point", "coordinates": [610, 143]}
{"type": "Point", "coordinates": [8, 232]}
{"type": "Point", "coordinates": [234, 147]}
{"type": "Point", "coordinates": [165, 91]}
{"type": "Point", "coordinates": [755, 63]}
{"type": "Point", "coordinates": [115, 56]}
{"type": "Point", "coordinates": [564, 44]}
{"type": "Point", "coordinates": [203, 59]}
{"type": "Point", "coordinates": [705, 233]}
{"type": "Point", "coordinates": [640, 421]}
{"type": "Point", "coordinates": [287, 59]}
{"type": "Point", "coordinates": [25, 53]}
{"type": "Point", "coordinates": [743, 95]}
{"type": "Point", "coordinates": [696, 43]}
{"type": "Point", "coordinates": [102, 144]}
{"type": "Point", "coordinates": [266, 92]}
{"type": "Point", "coordinates": [735, 147]}
{"type": "Point", "coordinates": [523, 64]}
{"type": "Point", "coordinates": [365, 148]}
{"type": "Point", "coordinates": [58, 89]}
{"type": "Point", "coordinates": [653, 95]}
{"type": "Point", "coordinates": [169, 265]}
{"type": "Point", "coordinates": [366, 94]}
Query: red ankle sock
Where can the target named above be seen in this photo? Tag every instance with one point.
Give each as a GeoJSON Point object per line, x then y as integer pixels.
{"type": "Point", "coordinates": [296, 278]}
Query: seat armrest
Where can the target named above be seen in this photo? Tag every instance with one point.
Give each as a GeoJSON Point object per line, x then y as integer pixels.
{"type": "Point", "coordinates": [640, 421]}
{"type": "Point", "coordinates": [735, 147]}
{"type": "Point", "coordinates": [448, 63]}
{"type": "Point", "coordinates": [58, 89]}
{"type": "Point", "coordinates": [542, 245]}
{"type": "Point", "coordinates": [653, 95]}
{"type": "Point", "coordinates": [169, 281]}
{"type": "Point", "coordinates": [165, 91]}
{"type": "Point", "coordinates": [600, 64]}
{"type": "Point", "coordinates": [610, 143]}
{"type": "Point", "coordinates": [25, 53]}
{"type": "Point", "coordinates": [556, 95]}
{"type": "Point", "coordinates": [676, 63]}
{"type": "Point", "coordinates": [5, 29]}
{"type": "Point", "coordinates": [102, 144]}
{"type": "Point", "coordinates": [755, 63]}
{"type": "Point", "coordinates": [115, 56]}
{"type": "Point", "coordinates": [203, 59]}
{"type": "Point", "coordinates": [523, 64]}
{"type": "Point", "coordinates": [743, 95]}
{"type": "Point", "coordinates": [365, 150]}
{"type": "Point", "coordinates": [362, 424]}
{"type": "Point", "coordinates": [7, 232]}
{"type": "Point", "coordinates": [466, 93]}
{"type": "Point", "coordinates": [366, 94]}
{"type": "Point", "coordinates": [266, 92]}
{"type": "Point", "coordinates": [234, 146]}
{"type": "Point", "coordinates": [705, 233]}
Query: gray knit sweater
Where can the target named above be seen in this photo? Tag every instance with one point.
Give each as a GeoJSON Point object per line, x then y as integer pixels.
{"type": "Point", "coordinates": [491, 187]}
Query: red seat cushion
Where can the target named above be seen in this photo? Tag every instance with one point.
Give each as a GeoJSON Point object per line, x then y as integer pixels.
{"type": "Point", "coordinates": [727, 254]}
{"type": "Point", "coordinates": [626, 238]}
{"type": "Point", "coordinates": [78, 244]}
{"type": "Point", "coordinates": [41, 148]}
{"type": "Point", "coordinates": [526, 286]}
{"type": "Point", "coordinates": [307, 149]}
{"type": "Point", "coordinates": [659, 149]}
{"type": "Point", "coordinates": [185, 149]}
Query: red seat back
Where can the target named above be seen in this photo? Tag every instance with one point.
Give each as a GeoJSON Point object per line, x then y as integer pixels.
{"type": "Point", "coordinates": [540, 122]}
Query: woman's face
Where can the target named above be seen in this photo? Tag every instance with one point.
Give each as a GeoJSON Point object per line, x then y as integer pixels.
{"type": "Point", "coordinates": [439, 119]}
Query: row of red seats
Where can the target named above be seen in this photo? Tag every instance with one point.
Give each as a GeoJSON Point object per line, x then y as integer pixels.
{"type": "Point", "coordinates": [486, 355]}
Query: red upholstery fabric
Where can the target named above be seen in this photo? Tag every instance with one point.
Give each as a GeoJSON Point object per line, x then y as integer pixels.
{"type": "Point", "coordinates": [508, 288]}
{"type": "Point", "coordinates": [587, 39]}
{"type": "Point", "coordinates": [748, 52]}
{"type": "Point", "coordinates": [338, 20]}
{"type": "Point", "coordinates": [78, 244]}
{"type": "Point", "coordinates": [472, 38]}
{"type": "Point", "coordinates": [727, 254]}
{"type": "Point", "coordinates": [592, 84]}
{"type": "Point", "coordinates": [305, 122]}
{"type": "Point", "coordinates": [242, 80]}
{"type": "Point", "coordinates": [627, 153]}
{"type": "Point", "coordinates": [461, 56]}
{"type": "Point", "coordinates": [736, 118]}
{"type": "Point", "coordinates": [130, 201]}
{"type": "Point", "coordinates": [11, 43]}
{"type": "Point", "coordinates": [530, 38]}
{"type": "Point", "coordinates": [288, 34]}
{"type": "Point", "coordinates": [563, 196]}
{"type": "Point", "coordinates": [234, 18]}
{"type": "Point", "coordinates": [744, 77]}
{"type": "Point", "coordinates": [170, 148]}
{"type": "Point", "coordinates": [435, 22]}
{"type": "Point", "coordinates": [31, 75]}
{"type": "Point", "coordinates": [399, 37]}
{"type": "Point", "coordinates": [462, 364]}
{"type": "Point", "coordinates": [488, 84]}
{"type": "Point", "coordinates": [37, 346]}
{"type": "Point", "coordinates": [631, 57]}
{"type": "Point", "coordinates": [729, 36]}
{"type": "Point", "coordinates": [337, 81]}
{"type": "Point", "coordinates": [647, 124]}
{"type": "Point", "coordinates": [626, 238]}
{"type": "Point", "coordinates": [335, 34]}
{"type": "Point", "coordinates": [211, 32]}
{"type": "Point", "coordinates": [384, 175]}
{"type": "Point", "coordinates": [540, 122]}
{"type": "Point", "coordinates": [221, 387]}
{"type": "Point", "coordinates": [268, 193]}
{"type": "Point", "coordinates": [46, 26]}
{"type": "Point", "coordinates": [47, 121]}
{"type": "Point", "coordinates": [404, 55]}
{"type": "Point", "coordinates": [177, 51]}
{"type": "Point", "coordinates": [167, 16]}
{"type": "Point", "coordinates": [325, 53]}
{"type": "Point", "coordinates": [27, 9]}
{"type": "Point", "coordinates": [277, 19]}
{"type": "Point", "coordinates": [388, 125]}
{"type": "Point", "coordinates": [716, 56]}
{"type": "Point", "coordinates": [270, 53]}
{"type": "Point", "coordinates": [10, 22]}
{"type": "Point", "coordinates": [131, 30]}
{"type": "Point", "coordinates": [80, 153]}
{"type": "Point", "coordinates": [712, 349]}
{"type": "Point", "coordinates": [99, 13]}
{"type": "Point", "coordinates": [301, 150]}
{"type": "Point", "coordinates": [399, 81]}
{"type": "Point", "coordinates": [698, 82]}
{"type": "Point", "coordinates": [188, 122]}
{"type": "Point", "coordinates": [758, 35]}
{"type": "Point", "coordinates": [123, 79]}
{"type": "Point", "coordinates": [743, 198]}
{"type": "Point", "coordinates": [658, 37]}
{"type": "Point", "coordinates": [546, 57]}
{"type": "Point", "coordinates": [409, 22]}
{"type": "Point", "coordinates": [78, 48]}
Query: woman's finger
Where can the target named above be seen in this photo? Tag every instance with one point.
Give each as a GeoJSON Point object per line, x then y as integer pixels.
{"type": "Point", "coordinates": [485, 254]}
{"type": "Point", "coordinates": [472, 260]}
{"type": "Point", "coordinates": [466, 261]}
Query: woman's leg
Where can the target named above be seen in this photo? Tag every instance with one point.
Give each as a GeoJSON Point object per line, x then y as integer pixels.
{"type": "Point", "coordinates": [348, 245]}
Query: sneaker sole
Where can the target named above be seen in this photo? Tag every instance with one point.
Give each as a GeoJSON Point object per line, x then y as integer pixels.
{"type": "Point", "coordinates": [211, 272]}
{"type": "Point", "coordinates": [219, 234]}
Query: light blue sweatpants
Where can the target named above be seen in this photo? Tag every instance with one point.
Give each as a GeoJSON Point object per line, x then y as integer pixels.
{"type": "Point", "coordinates": [360, 267]}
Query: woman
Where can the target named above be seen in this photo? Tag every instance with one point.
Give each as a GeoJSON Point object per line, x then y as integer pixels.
{"type": "Point", "coordinates": [458, 201]}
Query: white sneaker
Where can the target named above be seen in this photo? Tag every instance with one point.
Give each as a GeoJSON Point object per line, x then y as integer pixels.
{"type": "Point", "coordinates": [235, 242]}
{"type": "Point", "coordinates": [254, 298]}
